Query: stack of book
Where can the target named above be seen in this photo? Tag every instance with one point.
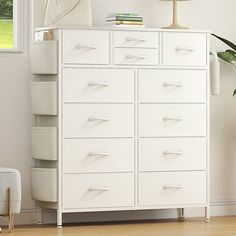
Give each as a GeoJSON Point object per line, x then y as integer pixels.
{"type": "Point", "coordinates": [124, 19]}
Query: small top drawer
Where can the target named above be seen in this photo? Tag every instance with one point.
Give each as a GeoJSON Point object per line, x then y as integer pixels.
{"type": "Point", "coordinates": [86, 47]}
{"type": "Point", "coordinates": [136, 39]}
{"type": "Point", "coordinates": [184, 49]}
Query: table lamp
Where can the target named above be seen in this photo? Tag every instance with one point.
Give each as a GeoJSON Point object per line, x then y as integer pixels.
{"type": "Point", "coordinates": [175, 24]}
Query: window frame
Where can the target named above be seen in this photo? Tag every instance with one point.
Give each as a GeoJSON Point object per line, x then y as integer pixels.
{"type": "Point", "coordinates": [17, 28]}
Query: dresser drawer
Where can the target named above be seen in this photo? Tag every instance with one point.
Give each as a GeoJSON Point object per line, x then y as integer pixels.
{"type": "Point", "coordinates": [172, 188]}
{"type": "Point", "coordinates": [98, 190]}
{"type": "Point", "coordinates": [98, 155]}
{"type": "Point", "coordinates": [82, 120]}
{"type": "Point", "coordinates": [98, 85]}
{"type": "Point", "coordinates": [136, 39]}
{"type": "Point", "coordinates": [184, 49]}
{"type": "Point", "coordinates": [86, 47]}
{"type": "Point", "coordinates": [167, 120]}
{"type": "Point", "coordinates": [172, 86]}
{"type": "Point", "coordinates": [172, 154]}
{"type": "Point", "coordinates": [135, 56]}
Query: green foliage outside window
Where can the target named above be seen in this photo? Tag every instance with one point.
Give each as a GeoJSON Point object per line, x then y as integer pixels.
{"type": "Point", "coordinates": [6, 24]}
{"type": "Point", "coordinates": [6, 9]}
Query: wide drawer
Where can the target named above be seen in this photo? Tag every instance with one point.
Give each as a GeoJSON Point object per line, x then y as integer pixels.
{"type": "Point", "coordinates": [98, 190]}
{"type": "Point", "coordinates": [98, 85]}
{"type": "Point", "coordinates": [86, 46]}
{"type": "Point", "coordinates": [172, 154]}
{"type": "Point", "coordinates": [135, 56]}
{"type": "Point", "coordinates": [136, 39]}
{"type": "Point", "coordinates": [172, 86]}
{"type": "Point", "coordinates": [167, 120]}
{"type": "Point", "coordinates": [98, 155]}
{"type": "Point", "coordinates": [172, 188]}
{"type": "Point", "coordinates": [100, 120]}
{"type": "Point", "coordinates": [184, 49]}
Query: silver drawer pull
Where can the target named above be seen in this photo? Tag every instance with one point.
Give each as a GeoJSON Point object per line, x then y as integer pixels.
{"type": "Point", "coordinates": [88, 47]}
{"type": "Point", "coordinates": [167, 153]}
{"type": "Point", "coordinates": [99, 154]}
{"type": "Point", "coordinates": [168, 118]}
{"type": "Point", "coordinates": [95, 118]}
{"type": "Point", "coordinates": [104, 84]}
{"type": "Point", "coordinates": [177, 85]}
{"type": "Point", "coordinates": [183, 49]}
{"type": "Point", "coordinates": [136, 57]}
{"type": "Point", "coordinates": [135, 40]}
{"type": "Point", "coordinates": [103, 189]}
{"type": "Point", "coordinates": [173, 186]}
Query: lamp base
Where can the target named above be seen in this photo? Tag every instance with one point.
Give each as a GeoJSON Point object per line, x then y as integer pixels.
{"type": "Point", "coordinates": [175, 26]}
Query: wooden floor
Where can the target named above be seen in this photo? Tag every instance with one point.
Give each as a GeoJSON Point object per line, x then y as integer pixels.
{"type": "Point", "coordinates": [219, 226]}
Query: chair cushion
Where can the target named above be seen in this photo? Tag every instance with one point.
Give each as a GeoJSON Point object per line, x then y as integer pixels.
{"type": "Point", "coordinates": [10, 178]}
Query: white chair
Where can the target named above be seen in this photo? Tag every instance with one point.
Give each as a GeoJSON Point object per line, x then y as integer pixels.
{"type": "Point", "coordinates": [10, 194]}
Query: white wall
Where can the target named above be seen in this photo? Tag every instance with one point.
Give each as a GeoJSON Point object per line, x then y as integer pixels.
{"type": "Point", "coordinates": [217, 16]}
{"type": "Point", "coordinates": [15, 117]}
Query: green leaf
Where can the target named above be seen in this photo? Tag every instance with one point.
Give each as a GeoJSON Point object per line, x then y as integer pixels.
{"type": "Point", "coordinates": [234, 92]}
{"type": "Point", "coordinates": [228, 57]}
{"type": "Point", "coordinates": [231, 51]}
{"type": "Point", "coordinates": [230, 44]}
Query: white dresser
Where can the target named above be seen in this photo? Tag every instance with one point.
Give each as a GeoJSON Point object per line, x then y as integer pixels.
{"type": "Point", "coordinates": [122, 120]}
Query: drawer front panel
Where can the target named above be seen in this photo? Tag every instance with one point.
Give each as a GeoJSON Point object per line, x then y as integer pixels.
{"type": "Point", "coordinates": [182, 49]}
{"type": "Point", "coordinates": [98, 190]}
{"type": "Point", "coordinates": [98, 155]}
{"type": "Point", "coordinates": [86, 47]}
{"type": "Point", "coordinates": [136, 39]}
{"type": "Point", "coordinates": [172, 154]}
{"type": "Point", "coordinates": [135, 56]}
{"type": "Point", "coordinates": [172, 188]}
{"type": "Point", "coordinates": [165, 120]}
{"type": "Point", "coordinates": [98, 85]}
{"type": "Point", "coordinates": [173, 86]}
{"type": "Point", "coordinates": [82, 120]}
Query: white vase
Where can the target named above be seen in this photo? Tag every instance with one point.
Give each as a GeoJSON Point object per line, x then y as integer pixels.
{"type": "Point", "coordinates": [68, 13]}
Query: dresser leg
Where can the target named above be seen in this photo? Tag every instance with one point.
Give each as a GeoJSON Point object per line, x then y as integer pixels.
{"type": "Point", "coordinates": [207, 214]}
{"type": "Point", "coordinates": [59, 219]}
{"type": "Point", "coordinates": [181, 215]}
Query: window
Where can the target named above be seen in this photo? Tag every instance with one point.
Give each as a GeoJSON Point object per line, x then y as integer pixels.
{"type": "Point", "coordinates": [9, 25]}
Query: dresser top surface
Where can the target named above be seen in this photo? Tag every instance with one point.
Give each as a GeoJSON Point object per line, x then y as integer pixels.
{"type": "Point", "coordinates": [120, 29]}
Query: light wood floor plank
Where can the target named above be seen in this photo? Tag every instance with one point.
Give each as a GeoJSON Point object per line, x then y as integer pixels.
{"type": "Point", "coordinates": [219, 226]}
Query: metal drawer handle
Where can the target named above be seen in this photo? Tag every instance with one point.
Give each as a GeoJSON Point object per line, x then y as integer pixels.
{"type": "Point", "coordinates": [182, 49]}
{"type": "Point", "coordinates": [102, 189]}
{"type": "Point", "coordinates": [99, 154]}
{"type": "Point", "coordinates": [168, 118]}
{"type": "Point", "coordinates": [136, 57]}
{"type": "Point", "coordinates": [135, 40]}
{"type": "Point", "coordinates": [88, 47]}
{"type": "Point", "coordinates": [177, 85]}
{"type": "Point", "coordinates": [94, 118]}
{"type": "Point", "coordinates": [173, 186]}
{"type": "Point", "coordinates": [167, 153]}
{"type": "Point", "coordinates": [104, 84]}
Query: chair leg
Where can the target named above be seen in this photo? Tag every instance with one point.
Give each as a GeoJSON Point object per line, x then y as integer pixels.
{"type": "Point", "coordinates": [10, 210]}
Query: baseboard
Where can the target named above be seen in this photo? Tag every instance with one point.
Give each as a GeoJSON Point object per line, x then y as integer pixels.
{"type": "Point", "coordinates": [218, 208]}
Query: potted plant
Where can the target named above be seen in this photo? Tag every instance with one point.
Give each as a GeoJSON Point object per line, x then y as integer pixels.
{"type": "Point", "coordinates": [229, 55]}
